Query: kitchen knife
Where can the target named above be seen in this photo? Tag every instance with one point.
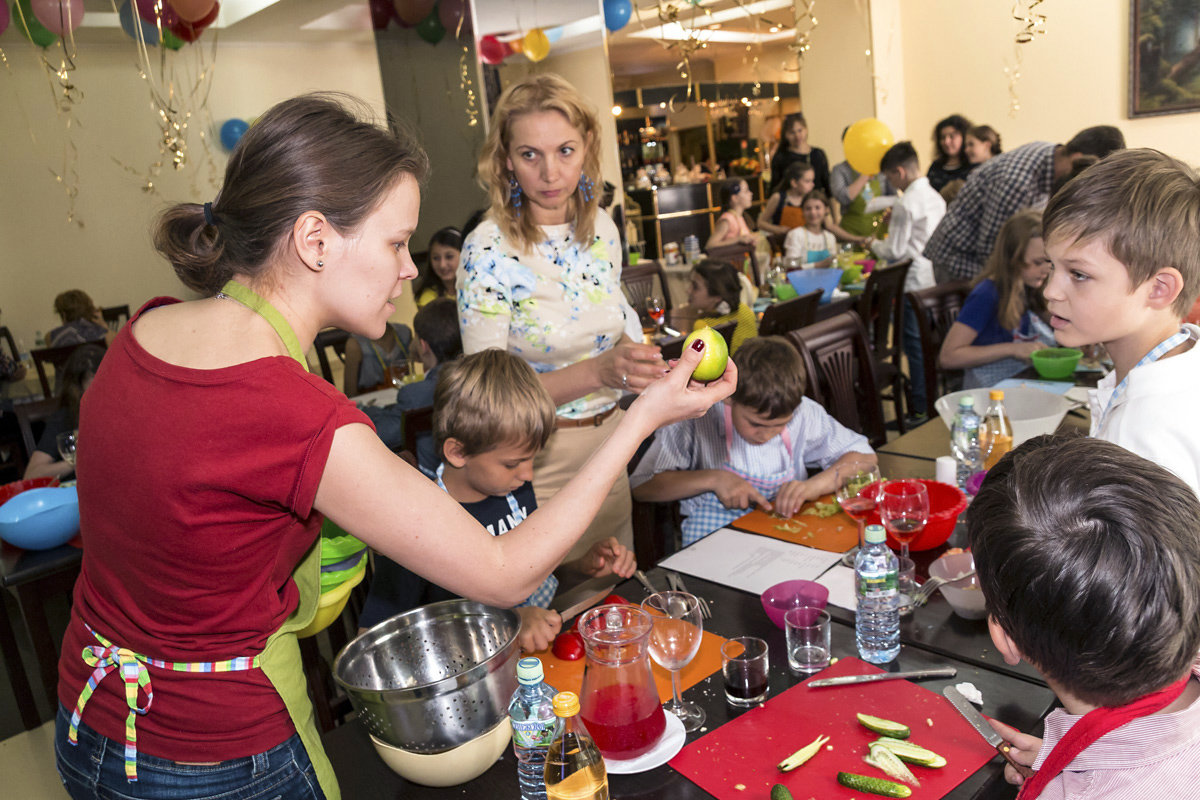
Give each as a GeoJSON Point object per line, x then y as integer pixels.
{"type": "Point", "coordinates": [941, 672]}
{"type": "Point", "coordinates": [980, 724]}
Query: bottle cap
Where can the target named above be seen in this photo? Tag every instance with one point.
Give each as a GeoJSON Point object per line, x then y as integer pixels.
{"type": "Point", "coordinates": [875, 534]}
{"type": "Point", "coordinates": [566, 704]}
{"type": "Point", "coordinates": [529, 671]}
{"type": "Point", "coordinates": [996, 394]}
{"type": "Point", "coordinates": [966, 401]}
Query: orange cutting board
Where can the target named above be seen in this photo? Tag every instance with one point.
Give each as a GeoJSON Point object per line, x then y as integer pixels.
{"type": "Point", "coordinates": [567, 676]}
{"type": "Point", "coordinates": [835, 534]}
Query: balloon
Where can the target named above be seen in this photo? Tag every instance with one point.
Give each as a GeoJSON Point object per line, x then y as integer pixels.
{"type": "Point", "coordinates": [430, 29]}
{"type": "Point", "coordinates": [516, 45]}
{"type": "Point", "coordinates": [190, 31]}
{"type": "Point", "coordinates": [553, 34]}
{"type": "Point", "coordinates": [617, 13]}
{"type": "Point", "coordinates": [133, 25]}
{"type": "Point", "coordinates": [451, 13]}
{"type": "Point", "coordinates": [145, 10]}
{"type": "Point", "coordinates": [192, 10]}
{"type": "Point", "coordinates": [5, 16]}
{"type": "Point", "coordinates": [381, 13]}
{"type": "Point", "coordinates": [535, 45]}
{"type": "Point", "coordinates": [29, 27]}
{"type": "Point", "coordinates": [411, 12]}
{"type": "Point", "coordinates": [171, 41]}
{"type": "Point", "coordinates": [492, 50]}
{"type": "Point", "coordinates": [58, 16]}
{"type": "Point", "coordinates": [232, 131]}
{"type": "Point", "coordinates": [865, 143]}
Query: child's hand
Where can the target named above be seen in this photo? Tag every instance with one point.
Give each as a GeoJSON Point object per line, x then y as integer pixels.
{"type": "Point", "coordinates": [735, 492]}
{"type": "Point", "coordinates": [608, 557]}
{"type": "Point", "coordinates": [794, 494]}
{"type": "Point", "coordinates": [539, 626]}
{"type": "Point", "coordinates": [1024, 350]}
{"type": "Point", "coordinates": [1024, 749]}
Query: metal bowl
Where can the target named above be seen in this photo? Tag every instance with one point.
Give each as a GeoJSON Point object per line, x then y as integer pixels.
{"type": "Point", "coordinates": [433, 678]}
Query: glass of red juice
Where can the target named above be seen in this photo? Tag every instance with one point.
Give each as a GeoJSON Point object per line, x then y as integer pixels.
{"type": "Point", "coordinates": [746, 666]}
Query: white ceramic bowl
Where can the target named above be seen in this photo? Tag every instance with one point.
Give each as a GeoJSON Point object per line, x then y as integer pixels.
{"type": "Point", "coordinates": [964, 596]}
{"type": "Point", "coordinates": [1032, 411]}
{"type": "Point", "coordinates": [452, 767]}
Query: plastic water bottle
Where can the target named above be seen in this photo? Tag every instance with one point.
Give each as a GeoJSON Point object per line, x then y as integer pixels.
{"type": "Point", "coordinates": [877, 612]}
{"type": "Point", "coordinates": [531, 711]}
{"type": "Point", "coordinates": [964, 441]}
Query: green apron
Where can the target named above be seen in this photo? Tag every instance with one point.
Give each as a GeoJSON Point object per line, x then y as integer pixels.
{"type": "Point", "coordinates": [855, 218]}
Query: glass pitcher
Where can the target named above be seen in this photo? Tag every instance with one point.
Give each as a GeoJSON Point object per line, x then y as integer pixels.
{"type": "Point", "coordinates": [619, 701]}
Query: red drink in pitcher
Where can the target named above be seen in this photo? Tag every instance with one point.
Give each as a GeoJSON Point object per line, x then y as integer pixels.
{"type": "Point", "coordinates": [625, 722]}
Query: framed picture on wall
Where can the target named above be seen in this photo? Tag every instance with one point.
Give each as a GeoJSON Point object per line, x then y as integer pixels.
{"type": "Point", "coordinates": [1164, 57]}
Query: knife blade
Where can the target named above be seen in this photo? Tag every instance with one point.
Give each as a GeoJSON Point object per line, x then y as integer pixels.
{"type": "Point", "coordinates": [981, 726]}
{"type": "Point", "coordinates": [845, 680]}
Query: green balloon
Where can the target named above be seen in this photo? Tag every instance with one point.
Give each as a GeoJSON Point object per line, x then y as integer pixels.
{"type": "Point", "coordinates": [30, 28]}
{"type": "Point", "coordinates": [431, 29]}
{"type": "Point", "coordinates": [170, 40]}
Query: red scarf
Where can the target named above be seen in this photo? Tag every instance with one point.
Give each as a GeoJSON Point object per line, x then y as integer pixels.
{"type": "Point", "coordinates": [1091, 727]}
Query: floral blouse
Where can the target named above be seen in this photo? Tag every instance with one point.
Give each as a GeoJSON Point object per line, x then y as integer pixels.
{"type": "Point", "coordinates": [555, 306]}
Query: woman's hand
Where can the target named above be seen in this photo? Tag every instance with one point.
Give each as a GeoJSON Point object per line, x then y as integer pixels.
{"type": "Point", "coordinates": [1025, 350]}
{"type": "Point", "coordinates": [1024, 749]}
{"type": "Point", "coordinates": [676, 396]}
{"type": "Point", "coordinates": [539, 626]}
{"type": "Point", "coordinates": [631, 366]}
{"type": "Point", "coordinates": [608, 557]}
{"type": "Point", "coordinates": [734, 491]}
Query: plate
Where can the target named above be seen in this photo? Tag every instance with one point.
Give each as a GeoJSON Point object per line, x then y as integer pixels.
{"type": "Point", "coordinates": [669, 745]}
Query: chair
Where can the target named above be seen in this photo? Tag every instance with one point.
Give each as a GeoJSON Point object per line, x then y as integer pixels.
{"type": "Point", "coordinates": [57, 358]}
{"type": "Point", "coordinates": [789, 315]}
{"type": "Point", "coordinates": [638, 282]}
{"type": "Point", "coordinates": [738, 254]}
{"type": "Point", "coordinates": [881, 308]}
{"type": "Point", "coordinates": [936, 308]}
{"type": "Point", "coordinates": [335, 338]}
{"type": "Point", "coordinates": [115, 317]}
{"type": "Point", "coordinates": [841, 373]}
{"type": "Point", "coordinates": [673, 347]}
{"type": "Point", "coordinates": [31, 415]}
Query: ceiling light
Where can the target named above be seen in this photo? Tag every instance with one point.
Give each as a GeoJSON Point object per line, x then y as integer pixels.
{"type": "Point", "coordinates": [616, 111]}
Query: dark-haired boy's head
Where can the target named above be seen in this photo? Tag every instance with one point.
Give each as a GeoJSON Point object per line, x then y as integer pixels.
{"type": "Point", "coordinates": [1098, 141]}
{"type": "Point", "coordinates": [436, 324]}
{"type": "Point", "coordinates": [1089, 560]}
{"type": "Point", "coordinates": [901, 165]}
{"type": "Point", "coordinates": [770, 376]}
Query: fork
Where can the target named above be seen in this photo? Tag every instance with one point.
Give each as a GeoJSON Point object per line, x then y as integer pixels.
{"type": "Point", "coordinates": [676, 582]}
{"type": "Point", "coordinates": [922, 595]}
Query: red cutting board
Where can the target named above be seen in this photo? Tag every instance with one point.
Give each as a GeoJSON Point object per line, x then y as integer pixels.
{"type": "Point", "coordinates": [745, 752]}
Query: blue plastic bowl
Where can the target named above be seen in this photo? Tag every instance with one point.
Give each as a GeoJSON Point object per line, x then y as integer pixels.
{"type": "Point", "coordinates": [809, 280]}
{"type": "Point", "coordinates": [40, 518]}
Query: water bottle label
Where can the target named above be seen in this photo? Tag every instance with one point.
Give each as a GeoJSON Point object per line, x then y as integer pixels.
{"type": "Point", "coordinates": [877, 588]}
{"type": "Point", "coordinates": [533, 733]}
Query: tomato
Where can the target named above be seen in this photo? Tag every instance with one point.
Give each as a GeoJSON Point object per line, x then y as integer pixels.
{"type": "Point", "coordinates": [568, 646]}
{"type": "Point", "coordinates": [614, 599]}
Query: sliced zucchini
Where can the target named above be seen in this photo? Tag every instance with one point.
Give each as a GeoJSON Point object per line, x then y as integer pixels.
{"type": "Point", "coordinates": [803, 754]}
{"type": "Point", "coordinates": [879, 786]}
{"type": "Point", "coordinates": [912, 752]}
{"type": "Point", "coordinates": [887, 762]}
{"type": "Point", "coordinates": [884, 727]}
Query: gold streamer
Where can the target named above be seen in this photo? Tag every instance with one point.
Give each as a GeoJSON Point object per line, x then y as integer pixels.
{"type": "Point", "coordinates": [1033, 23]}
{"type": "Point", "coordinates": [1013, 73]}
{"type": "Point", "coordinates": [465, 84]}
{"type": "Point", "coordinates": [805, 22]}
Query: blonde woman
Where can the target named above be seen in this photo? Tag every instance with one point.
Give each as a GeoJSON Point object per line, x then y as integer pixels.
{"type": "Point", "coordinates": [541, 278]}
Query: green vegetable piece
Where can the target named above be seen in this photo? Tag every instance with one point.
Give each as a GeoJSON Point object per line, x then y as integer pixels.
{"type": "Point", "coordinates": [884, 727]}
{"type": "Point", "coordinates": [912, 752]}
{"type": "Point", "coordinates": [803, 754]}
{"type": "Point", "coordinates": [780, 792]}
{"type": "Point", "coordinates": [879, 786]}
{"type": "Point", "coordinates": [887, 762]}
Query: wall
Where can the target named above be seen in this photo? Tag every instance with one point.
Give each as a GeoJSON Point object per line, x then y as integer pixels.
{"type": "Point", "coordinates": [1074, 76]}
{"type": "Point", "coordinates": [111, 256]}
{"type": "Point", "coordinates": [836, 87]}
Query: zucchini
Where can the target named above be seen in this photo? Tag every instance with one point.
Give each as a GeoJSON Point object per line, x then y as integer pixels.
{"type": "Point", "coordinates": [863, 783]}
{"type": "Point", "coordinates": [780, 792]}
{"type": "Point", "coordinates": [912, 752]}
{"type": "Point", "coordinates": [803, 754]}
{"type": "Point", "coordinates": [887, 762]}
{"type": "Point", "coordinates": [884, 727]}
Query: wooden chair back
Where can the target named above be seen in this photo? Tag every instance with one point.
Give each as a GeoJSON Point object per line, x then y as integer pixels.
{"type": "Point", "coordinates": [115, 317]}
{"type": "Point", "coordinates": [415, 422]}
{"type": "Point", "coordinates": [31, 420]}
{"type": "Point", "coordinates": [335, 338]}
{"type": "Point", "coordinates": [643, 280]}
{"type": "Point", "coordinates": [841, 373]}
{"type": "Point", "coordinates": [57, 358]}
{"type": "Point", "coordinates": [790, 315]}
{"type": "Point", "coordinates": [738, 254]}
{"type": "Point", "coordinates": [936, 308]}
{"type": "Point", "coordinates": [881, 307]}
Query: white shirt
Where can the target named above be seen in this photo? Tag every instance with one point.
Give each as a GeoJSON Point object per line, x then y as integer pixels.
{"type": "Point", "coordinates": [913, 221]}
{"type": "Point", "coordinates": [1153, 415]}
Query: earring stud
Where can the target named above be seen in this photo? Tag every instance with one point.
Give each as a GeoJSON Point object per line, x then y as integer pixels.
{"type": "Point", "coordinates": [320, 263]}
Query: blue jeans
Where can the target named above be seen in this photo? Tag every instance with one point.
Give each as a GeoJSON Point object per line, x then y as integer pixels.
{"type": "Point", "coordinates": [95, 769]}
{"type": "Point", "coordinates": [916, 360]}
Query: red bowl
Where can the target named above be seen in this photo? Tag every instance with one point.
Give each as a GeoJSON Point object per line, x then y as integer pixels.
{"type": "Point", "coordinates": [946, 502]}
{"type": "Point", "coordinates": [10, 490]}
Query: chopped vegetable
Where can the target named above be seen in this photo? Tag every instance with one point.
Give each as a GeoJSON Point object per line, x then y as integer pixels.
{"type": "Point", "coordinates": [886, 761]}
{"type": "Point", "coordinates": [884, 727]}
{"type": "Point", "coordinates": [821, 510]}
{"type": "Point", "coordinates": [780, 792]}
{"type": "Point", "coordinates": [911, 752]}
{"type": "Point", "coordinates": [803, 754]}
{"type": "Point", "coordinates": [864, 783]}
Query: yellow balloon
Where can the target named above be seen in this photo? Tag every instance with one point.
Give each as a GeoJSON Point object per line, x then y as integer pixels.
{"type": "Point", "coordinates": [535, 45]}
{"type": "Point", "coordinates": [865, 143]}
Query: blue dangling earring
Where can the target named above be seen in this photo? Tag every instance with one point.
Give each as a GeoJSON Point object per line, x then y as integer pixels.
{"type": "Point", "coordinates": [514, 193]}
{"type": "Point", "coordinates": [585, 187]}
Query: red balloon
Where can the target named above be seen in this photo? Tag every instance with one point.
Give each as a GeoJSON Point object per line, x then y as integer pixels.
{"type": "Point", "coordinates": [190, 31]}
{"type": "Point", "coordinates": [451, 13]}
{"type": "Point", "coordinates": [192, 10]}
{"type": "Point", "coordinates": [381, 13]}
{"type": "Point", "coordinates": [492, 50]}
{"type": "Point", "coordinates": [145, 10]}
{"type": "Point", "coordinates": [410, 12]}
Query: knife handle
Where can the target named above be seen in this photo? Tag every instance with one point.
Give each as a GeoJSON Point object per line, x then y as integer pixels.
{"type": "Point", "coordinates": [1005, 749]}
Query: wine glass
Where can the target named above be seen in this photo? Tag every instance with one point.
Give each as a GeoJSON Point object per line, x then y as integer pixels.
{"type": "Point", "coordinates": [67, 443]}
{"type": "Point", "coordinates": [674, 641]}
{"type": "Point", "coordinates": [852, 495]}
{"type": "Point", "coordinates": [904, 509]}
{"type": "Point", "coordinates": [656, 311]}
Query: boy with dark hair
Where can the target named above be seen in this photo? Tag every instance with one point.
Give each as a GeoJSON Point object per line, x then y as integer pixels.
{"type": "Point", "coordinates": [1090, 575]}
{"type": "Point", "coordinates": [913, 221]}
{"type": "Point", "coordinates": [491, 417]}
{"type": "Point", "coordinates": [1124, 239]}
{"type": "Point", "coordinates": [752, 449]}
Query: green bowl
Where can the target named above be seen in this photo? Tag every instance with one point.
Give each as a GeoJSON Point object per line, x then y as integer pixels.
{"type": "Point", "coordinates": [1055, 363]}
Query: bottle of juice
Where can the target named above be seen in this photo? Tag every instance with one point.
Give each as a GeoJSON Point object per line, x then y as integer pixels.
{"type": "Point", "coordinates": [997, 429]}
{"type": "Point", "coordinates": [574, 766]}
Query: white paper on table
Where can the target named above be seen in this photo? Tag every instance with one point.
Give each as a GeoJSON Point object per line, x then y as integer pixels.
{"type": "Point", "coordinates": [748, 561]}
{"type": "Point", "coordinates": [840, 583]}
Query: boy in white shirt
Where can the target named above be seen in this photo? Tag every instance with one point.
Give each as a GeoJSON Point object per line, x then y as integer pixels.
{"type": "Point", "coordinates": [1124, 241]}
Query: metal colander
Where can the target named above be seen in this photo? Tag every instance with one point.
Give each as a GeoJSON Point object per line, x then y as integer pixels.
{"type": "Point", "coordinates": [435, 677]}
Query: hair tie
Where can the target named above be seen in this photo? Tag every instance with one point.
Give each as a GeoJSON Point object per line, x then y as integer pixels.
{"type": "Point", "coordinates": [209, 217]}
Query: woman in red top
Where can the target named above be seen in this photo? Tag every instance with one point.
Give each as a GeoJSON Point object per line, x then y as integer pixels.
{"type": "Point", "coordinates": [212, 457]}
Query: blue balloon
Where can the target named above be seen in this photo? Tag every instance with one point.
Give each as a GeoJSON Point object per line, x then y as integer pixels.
{"type": "Point", "coordinates": [232, 131]}
{"type": "Point", "coordinates": [617, 13]}
{"type": "Point", "coordinates": [135, 26]}
{"type": "Point", "coordinates": [553, 34]}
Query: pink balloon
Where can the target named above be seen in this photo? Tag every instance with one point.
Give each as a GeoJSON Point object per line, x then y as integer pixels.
{"type": "Point", "coordinates": [58, 16]}
{"type": "Point", "coordinates": [5, 16]}
{"type": "Point", "coordinates": [410, 12]}
{"type": "Point", "coordinates": [192, 10]}
{"type": "Point", "coordinates": [145, 10]}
